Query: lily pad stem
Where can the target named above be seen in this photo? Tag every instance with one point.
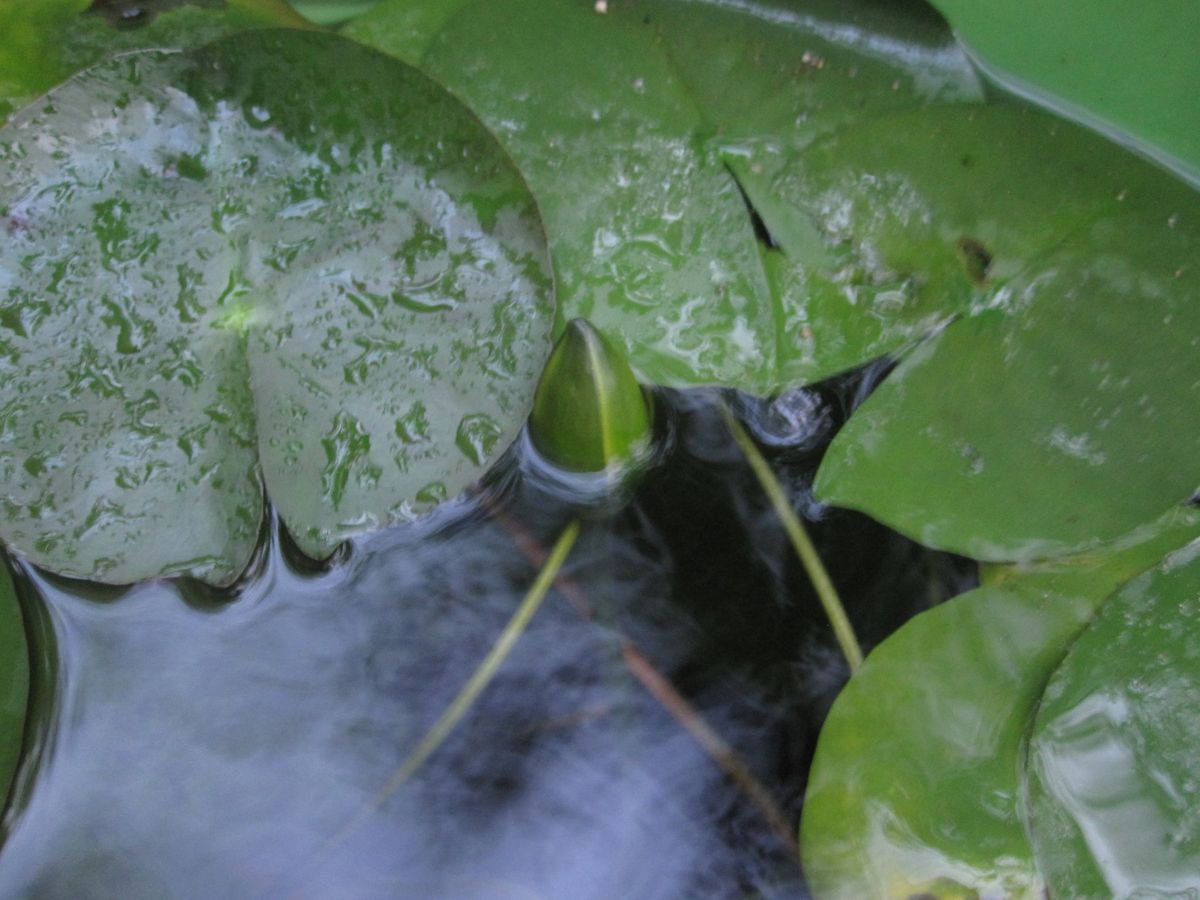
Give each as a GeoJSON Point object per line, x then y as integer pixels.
{"type": "Point", "coordinates": [458, 707]}
{"type": "Point", "coordinates": [487, 669]}
{"type": "Point", "coordinates": [842, 629]}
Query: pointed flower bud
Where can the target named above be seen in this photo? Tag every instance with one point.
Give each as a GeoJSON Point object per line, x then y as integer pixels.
{"type": "Point", "coordinates": [589, 412]}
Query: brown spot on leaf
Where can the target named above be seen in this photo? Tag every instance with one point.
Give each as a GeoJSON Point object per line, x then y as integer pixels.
{"type": "Point", "coordinates": [975, 259]}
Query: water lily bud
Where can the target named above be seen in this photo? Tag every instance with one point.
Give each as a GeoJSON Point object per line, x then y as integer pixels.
{"type": "Point", "coordinates": [589, 412]}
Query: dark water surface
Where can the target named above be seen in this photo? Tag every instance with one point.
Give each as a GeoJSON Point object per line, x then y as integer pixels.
{"type": "Point", "coordinates": [192, 743]}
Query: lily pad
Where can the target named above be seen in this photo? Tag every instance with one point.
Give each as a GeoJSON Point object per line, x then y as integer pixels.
{"type": "Point", "coordinates": [770, 81]}
{"type": "Point", "coordinates": [281, 261]}
{"type": "Point", "coordinates": [650, 238]}
{"type": "Point", "coordinates": [923, 215]}
{"type": "Point", "coordinates": [1114, 755]}
{"type": "Point", "coordinates": [916, 784]}
{"type": "Point", "coordinates": [47, 41]}
{"type": "Point", "coordinates": [627, 120]}
{"type": "Point", "coordinates": [771, 77]}
{"type": "Point", "coordinates": [1129, 69]}
{"type": "Point", "coordinates": [1061, 409]}
{"type": "Point", "coordinates": [14, 681]}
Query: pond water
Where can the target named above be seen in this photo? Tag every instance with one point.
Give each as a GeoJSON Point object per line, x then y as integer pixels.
{"type": "Point", "coordinates": [188, 742]}
{"type": "Point", "coordinates": [652, 732]}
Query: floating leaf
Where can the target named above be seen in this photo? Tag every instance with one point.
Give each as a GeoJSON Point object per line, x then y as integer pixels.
{"type": "Point", "coordinates": [47, 41]}
{"type": "Point", "coordinates": [916, 783]}
{"type": "Point", "coordinates": [283, 259]}
{"type": "Point", "coordinates": [650, 238]}
{"type": "Point", "coordinates": [613, 121]}
{"type": "Point", "coordinates": [767, 85]}
{"type": "Point", "coordinates": [769, 79]}
{"type": "Point", "coordinates": [14, 680]}
{"type": "Point", "coordinates": [1061, 410]}
{"type": "Point", "coordinates": [1128, 68]}
{"type": "Point", "coordinates": [1114, 755]}
{"type": "Point", "coordinates": [917, 219]}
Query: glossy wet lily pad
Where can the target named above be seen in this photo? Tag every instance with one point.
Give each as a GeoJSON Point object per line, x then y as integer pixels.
{"type": "Point", "coordinates": [771, 77]}
{"type": "Point", "coordinates": [281, 261]}
{"type": "Point", "coordinates": [1060, 410]}
{"type": "Point", "coordinates": [1114, 755]}
{"type": "Point", "coordinates": [649, 237]}
{"type": "Point", "coordinates": [916, 784]}
{"type": "Point", "coordinates": [1129, 69]}
{"type": "Point", "coordinates": [627, 119]}
{"type": "Point", "coordinates": [47, 41]}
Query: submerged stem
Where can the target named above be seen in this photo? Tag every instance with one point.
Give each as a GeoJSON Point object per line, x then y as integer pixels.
{"type": "Point", "coordinates": [661, 689]}
{"type": "Point", "coordinates": [466, 697]}
{"type": "Point", "coordinates": [836, 613]}
{"type": "Point", "coordinates": [487, 669]}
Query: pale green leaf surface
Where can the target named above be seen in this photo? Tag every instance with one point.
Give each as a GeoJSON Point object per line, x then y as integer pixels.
{"type": "Point", "coordinates": [1130, 69]}
{"type": "Point", "coordinates": [1061, 410]}
{"type": "Point", "coordinates": [209, 286]}
{"type": "Point", "coordinates": [46, 41]}
{"type": "Point", "coordinates": [1114, 754]}
{"type": "Point", "coordinates": [916, 782]}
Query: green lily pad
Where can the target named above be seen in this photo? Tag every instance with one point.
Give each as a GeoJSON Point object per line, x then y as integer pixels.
{"type": "Point", "coordinates": [650, 238]}
{"type": "Point", "coordinates": [771, 81]}
{"type": "Point", "coordinates": [627, 120]}
{"type": "Point", "coordinates": [14, 681]}
{"type": "Point", "coordinates": [47, 41]}
{"type": "Point", "coordinates": [927, 214]}
{"type": "Point", "coordinates": [1114, 755]}
{"type": "Point", "coordinates": [1128, 69]}
{"type": "Point", "coordinates": [916, 784]}
{"type": "Point", "coordinates": [1061, 409]}
{"type": "Point", "coordinates": [283, 260]}
{"type": "Point", "coordinates": [769, 78]}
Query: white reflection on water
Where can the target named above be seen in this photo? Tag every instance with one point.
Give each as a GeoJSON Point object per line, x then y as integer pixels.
{"type": "Point", "coordinates": [216, 753]}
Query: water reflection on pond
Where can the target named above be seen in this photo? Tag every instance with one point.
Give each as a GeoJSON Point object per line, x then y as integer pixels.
{"type": "Point", "coordinates": [233, 746]}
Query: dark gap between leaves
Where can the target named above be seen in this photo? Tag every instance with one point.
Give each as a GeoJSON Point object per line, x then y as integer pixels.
{"type": "Point", "coordinates": [127, 15]}
{"type": "Point", "coordinates": [761, 232]}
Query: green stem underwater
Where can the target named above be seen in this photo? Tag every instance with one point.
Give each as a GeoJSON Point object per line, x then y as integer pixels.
{"type": "Point", "coordinates": [466, 697]}
{"type": "Point", "coordinates": [487, 669]}
{"type": "Point", "coordinates": [842, 629]}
